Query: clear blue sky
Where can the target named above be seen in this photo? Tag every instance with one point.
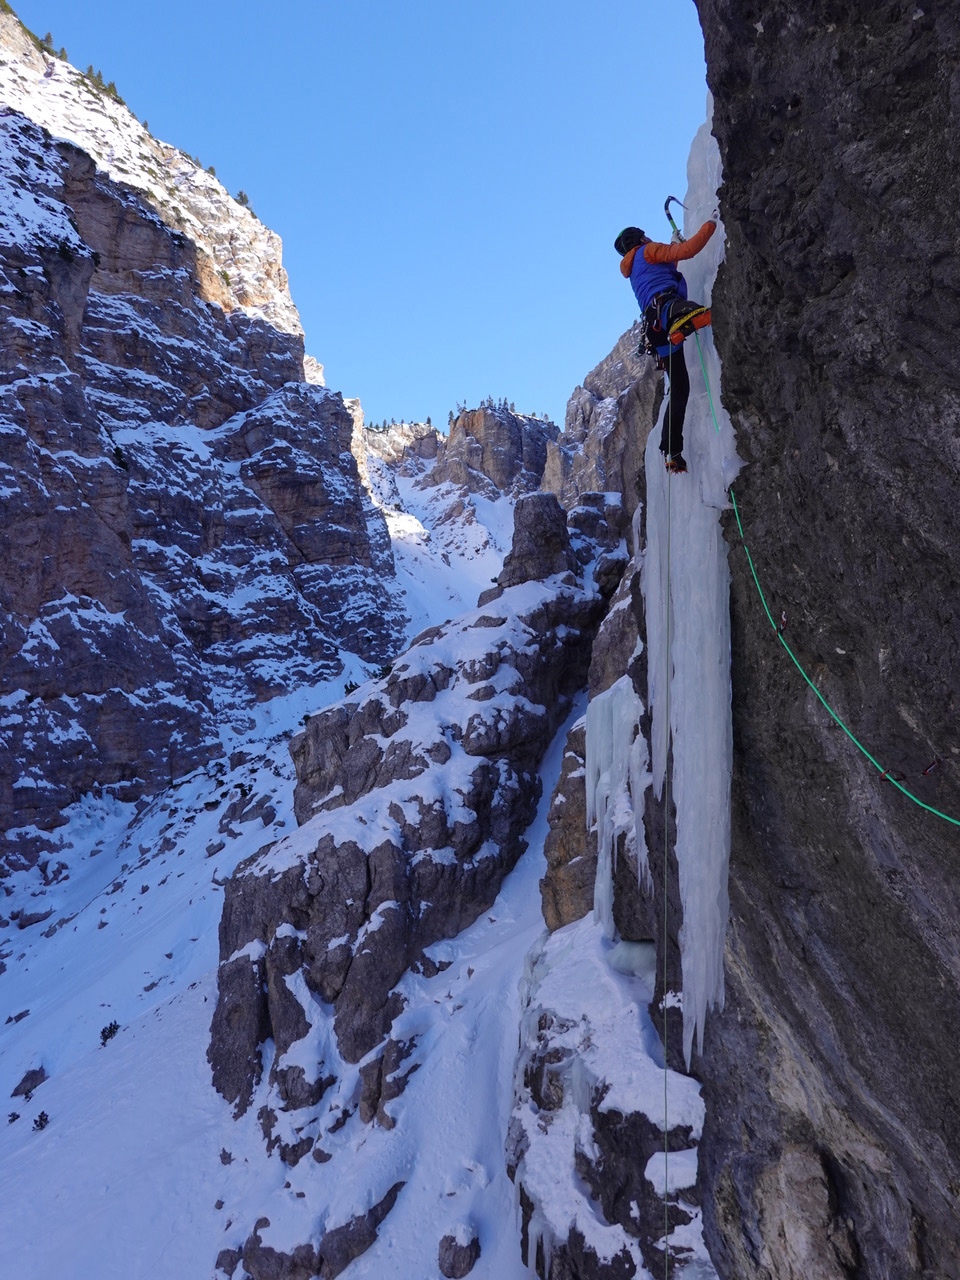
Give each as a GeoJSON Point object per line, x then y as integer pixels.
{"type": "Point", "coordinates": [447, 176]}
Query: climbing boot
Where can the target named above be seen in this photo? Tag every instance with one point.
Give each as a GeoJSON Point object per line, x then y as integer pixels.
{"type": "Point", "coordinates": [675, 462]}
{"type": "Point", "coordinates": [685, 319]}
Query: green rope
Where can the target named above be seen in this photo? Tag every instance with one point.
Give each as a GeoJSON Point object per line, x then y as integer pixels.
{"type": "Point", "coordinates": [793, 657]}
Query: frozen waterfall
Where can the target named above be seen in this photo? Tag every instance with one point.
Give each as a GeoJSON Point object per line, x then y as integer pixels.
{"type": "Point", "coordinates": [686, 585]}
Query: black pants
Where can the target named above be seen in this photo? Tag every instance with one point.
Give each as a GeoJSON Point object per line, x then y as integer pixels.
{"type": "Point", "coordinates": [671, 437]}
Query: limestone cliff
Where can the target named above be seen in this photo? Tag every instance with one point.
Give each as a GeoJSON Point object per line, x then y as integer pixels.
{"type": "Point", "coordinates": [607, 422]}
{"type": "Point", "coordinates": [184, 527]}
{"type": "Point", "coordinates": [493, 450]}
{"type": "Point", "coordinates": [237, 260]}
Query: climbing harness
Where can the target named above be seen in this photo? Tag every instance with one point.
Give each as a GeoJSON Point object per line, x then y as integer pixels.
{"type": "Point", "coordinates": [885, 774]}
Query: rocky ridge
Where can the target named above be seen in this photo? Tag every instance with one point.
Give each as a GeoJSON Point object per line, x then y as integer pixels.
{"type": "Point", "coordinates": [412, 802]}
{"type": "Point", "coordinates": [238, 260]}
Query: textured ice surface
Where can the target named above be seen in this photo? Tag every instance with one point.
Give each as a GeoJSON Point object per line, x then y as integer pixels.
{"type": "Point", "coordinates": [686, 587]}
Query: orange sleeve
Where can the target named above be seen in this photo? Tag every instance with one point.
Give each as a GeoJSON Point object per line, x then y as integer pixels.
{"type": "Point", "coordinates": [654, 252]}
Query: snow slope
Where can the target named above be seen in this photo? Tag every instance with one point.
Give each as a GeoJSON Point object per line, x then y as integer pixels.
{"type": "Point", "coordinates": [141, 1168]}
{"type": "Point", "coordinates": [448, 545]}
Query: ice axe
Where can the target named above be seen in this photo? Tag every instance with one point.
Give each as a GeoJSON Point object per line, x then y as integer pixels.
{"type": "Point", "coordinates": [666, 209]}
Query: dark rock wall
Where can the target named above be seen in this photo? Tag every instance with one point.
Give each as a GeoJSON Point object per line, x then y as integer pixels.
{"type": "Point", "coordinates": [832, 1145]}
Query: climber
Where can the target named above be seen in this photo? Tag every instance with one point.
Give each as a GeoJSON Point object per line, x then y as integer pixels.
{"type": "Point", "coordinates": [668, 317]}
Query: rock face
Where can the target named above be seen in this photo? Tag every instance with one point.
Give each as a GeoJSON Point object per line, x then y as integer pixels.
{"type": "Point", "coordinates": [567, 889]}
{"type": "Point", "coordinates": [492, 450]}
{"type": "Point", "coordinates": [181, 512]}
{"type": "Point", "coordinates": [570, 850]}
{"type": "Point", "coordinates": [607, 423]}
{"type": "Point", "coordinates": [832, 1145]}
{"type": "Point", "coordinates": [237, 259]}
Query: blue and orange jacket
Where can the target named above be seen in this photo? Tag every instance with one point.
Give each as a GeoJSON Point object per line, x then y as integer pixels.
{"type": "Point", "coordinates": [650, 267]}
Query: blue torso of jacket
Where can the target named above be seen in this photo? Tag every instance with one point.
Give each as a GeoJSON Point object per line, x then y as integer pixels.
{"type": "Point", "coordinates": [647, 279]}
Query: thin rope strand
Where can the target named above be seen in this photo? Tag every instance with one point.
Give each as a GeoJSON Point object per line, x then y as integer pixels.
{"type": "Point", "coordinates": [666, 849]}
{"type": "Point", "coordinates": [885, 773]}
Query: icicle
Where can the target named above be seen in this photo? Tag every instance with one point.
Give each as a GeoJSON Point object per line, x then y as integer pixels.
{"type": "Point", "coordinates": [616, 777]}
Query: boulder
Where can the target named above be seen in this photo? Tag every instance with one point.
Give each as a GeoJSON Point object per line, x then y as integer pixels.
{"type": "Point", "coordinates": [31, 1080]}
{"type": "Point", "coordinates": [541, 543]}
{"type": "Point", "coordinates": [458, 1252]}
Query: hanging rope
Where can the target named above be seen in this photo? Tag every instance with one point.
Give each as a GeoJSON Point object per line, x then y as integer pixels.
{"type": "Point", "coordinates": [666, 850]}
{"type": "Point", "coordinates": [885, 774]}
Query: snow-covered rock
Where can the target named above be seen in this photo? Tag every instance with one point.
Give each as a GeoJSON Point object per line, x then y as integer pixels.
{"type": "Point", "coordinates": [493, 450]}
{"type": "Point", "coordinates": [238, 260]}
{"type": "Point", "coordinates": [587, 1142]}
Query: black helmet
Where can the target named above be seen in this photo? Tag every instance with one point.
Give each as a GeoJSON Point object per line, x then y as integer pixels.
{"type": "Point", "coordinates": [628, 239]}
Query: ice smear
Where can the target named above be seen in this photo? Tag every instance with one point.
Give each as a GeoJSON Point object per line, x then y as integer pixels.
{"type": "Point", "coordinates": [694, 587]}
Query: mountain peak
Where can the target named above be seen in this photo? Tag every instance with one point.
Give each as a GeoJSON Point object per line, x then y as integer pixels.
{"type": "Point", "coordinates": [238, 258]}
